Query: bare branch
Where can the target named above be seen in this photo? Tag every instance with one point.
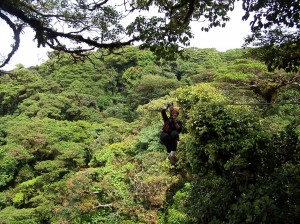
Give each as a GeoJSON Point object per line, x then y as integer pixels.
{"type": "Point", "coordinates": [97, 5]}
{"type": "Point", "coordinates": [16, 31]}
{"type": "Point", "coordinates": [103, 206]}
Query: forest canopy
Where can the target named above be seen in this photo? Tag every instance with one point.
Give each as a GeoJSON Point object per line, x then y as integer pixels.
{"type": "Point", "coordinates": [79, 143]}
{"type": "Point", "coordinates": [89, 25]}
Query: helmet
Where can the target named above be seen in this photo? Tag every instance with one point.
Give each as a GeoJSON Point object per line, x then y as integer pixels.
{"type": "Point", "coordinates": [176, 109]}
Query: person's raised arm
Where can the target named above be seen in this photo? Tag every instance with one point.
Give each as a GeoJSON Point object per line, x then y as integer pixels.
{"type": "Point", "coordinates": [164, 112]}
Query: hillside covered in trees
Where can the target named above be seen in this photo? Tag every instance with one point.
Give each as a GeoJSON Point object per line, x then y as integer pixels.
{"type": "Point", "coordinates": [79, 142]}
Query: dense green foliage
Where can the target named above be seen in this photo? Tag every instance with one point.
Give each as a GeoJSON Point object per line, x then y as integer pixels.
{"type": "Point", "coordinates": [79, 143]}
{"type": "Point", "coordinates": [162, 26]}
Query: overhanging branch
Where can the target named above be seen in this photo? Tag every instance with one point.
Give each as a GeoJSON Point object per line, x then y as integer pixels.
{"type": "Point", "coordinates": [16, 30]}
{"type": "Point", "coordinates": [46, 35]}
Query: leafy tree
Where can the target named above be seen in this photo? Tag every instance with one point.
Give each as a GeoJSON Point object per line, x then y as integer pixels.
{"type": "Point", "coordinates": [131, 76]}
{"type": "Point", "coordinates": [44, 105]}
{"type": "Point", "coordinates": [208, 58]}
{"type": "Point", "coordinates": [237, 158]}
{"type": "Point", "coordinates": [194, 65]}
{"type": "Point", "coordinates": [151, 87]}
{"type": "Point", "coordinates": [79, 16]}
{"type": "Point", "coordinates": [111, 130]}
{"type": "Point", "coordinates": [14, 215]}
{"type": "Point", "coordinates": [233, 54]}
{"type": "Point", "coordinates": [128, 57]}
{"type": "Point", "coordinates": [20, 85]}
{"type": "Point", "coordinates": [251, 75]}
{"type": "Point", "coordinates": [84, 77]}
{"type": "Point", "coordinates": [275, 30]}
{"type": "Point", "coordinates": [163, 33]}
{"type": "Point", "coordinates": [106, 21]}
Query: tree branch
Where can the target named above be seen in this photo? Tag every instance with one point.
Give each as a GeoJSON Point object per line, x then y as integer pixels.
{"type": "Point", "coordinates": [16, 31]}
{"type": "Point", "coordinates": [103, 206]}
{"type": "Point", "coordinates": [46, 35]}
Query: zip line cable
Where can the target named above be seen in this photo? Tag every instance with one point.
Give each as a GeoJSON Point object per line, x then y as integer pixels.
{"type": "Point", "coordinates": [250, 104]}
{"type": "Point", "coordinates": [242, 104]}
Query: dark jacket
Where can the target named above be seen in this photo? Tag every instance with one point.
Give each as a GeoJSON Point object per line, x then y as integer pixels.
{"type": "Point", "coordinates": [169, 125]}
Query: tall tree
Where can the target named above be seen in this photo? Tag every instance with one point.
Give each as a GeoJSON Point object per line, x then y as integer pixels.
{"type": "Point", "coordinates": [275, 31]}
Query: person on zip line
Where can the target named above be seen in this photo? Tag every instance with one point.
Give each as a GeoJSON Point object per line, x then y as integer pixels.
{"type": "Point", "coordinates": [170, 131]}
